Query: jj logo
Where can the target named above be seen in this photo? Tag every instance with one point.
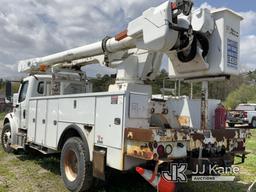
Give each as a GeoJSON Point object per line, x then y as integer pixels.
{"type": "Point", "coordinates": [176, 173]}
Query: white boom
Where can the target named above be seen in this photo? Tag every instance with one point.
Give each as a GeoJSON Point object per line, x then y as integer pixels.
{"type": "Point", "coordinates": [76, 53]}
{"type": "Point", "coordinates": [204, 44]}
{"type": "Point", "coordinates": [151, 31]}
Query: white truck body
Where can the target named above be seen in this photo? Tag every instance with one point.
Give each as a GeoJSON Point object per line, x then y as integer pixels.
{"type": "Point", "coordinates": [55, 111]}
{"type": "Point", "coordinates": [103, 109]}
{"type": "Point", "coordinates": [102, 117]}
{"type": "Point", "coordinates": [189, 111]}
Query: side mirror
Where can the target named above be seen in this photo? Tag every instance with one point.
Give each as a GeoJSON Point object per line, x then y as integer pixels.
{"type": "Point", "coordinates": [8, 92]}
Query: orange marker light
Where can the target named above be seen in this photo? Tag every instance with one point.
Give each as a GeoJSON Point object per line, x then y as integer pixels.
{"type": "Point", "coordinates": [42, 68]}
{"type": "Point", "coordinates": [120, 36]}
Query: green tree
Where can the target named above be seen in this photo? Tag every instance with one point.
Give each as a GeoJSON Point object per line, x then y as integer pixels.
{"type": "Point", "coordinates": [157, 84]}
{"type": "Point", "coordinates": [101, 83]}
{"type": "Point", "coordinates": [252, 75]}
{"type": "Point", "coordinates": [221, 89]}
{"type": "Point", "coordinates": [1, 83]}
{"type": "Point", "coordinates": [244, 94]}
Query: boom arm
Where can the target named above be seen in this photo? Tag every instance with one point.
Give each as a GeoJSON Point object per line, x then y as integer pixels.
{"type": "Point", "coordinates": [200, 44]}
{"type": "Point", "coordinates": [151, 32]}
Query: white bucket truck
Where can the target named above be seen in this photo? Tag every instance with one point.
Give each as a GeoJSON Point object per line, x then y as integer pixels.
{"type": "Point", "coordinates": [56, 112]}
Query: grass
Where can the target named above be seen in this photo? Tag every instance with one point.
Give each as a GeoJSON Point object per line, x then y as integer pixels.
{"type": "Point", "coordinates": [29, 172]}
{"type": "Point", "coordinates": [2, 116]}
{"type": "Point", "coordinates": [38, 173]}
{"type": "Point", "coordinates": [26, 173]}
{"type": "Point", "coordinates": [243, 180]}
{"type": "Point", "coordinates": [249, 167]}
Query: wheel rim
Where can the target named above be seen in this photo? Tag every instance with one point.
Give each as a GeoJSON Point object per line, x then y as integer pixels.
{"type": "Point", "coordinates": [71, 165]}
{"type": "Point", "coordinates": [6, 138]}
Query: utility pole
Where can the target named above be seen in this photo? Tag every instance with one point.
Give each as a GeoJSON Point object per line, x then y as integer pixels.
{"type": "Point", "coordinates": [204, 105]}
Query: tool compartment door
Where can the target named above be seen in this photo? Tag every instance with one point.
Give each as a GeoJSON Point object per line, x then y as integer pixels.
{"type": "Point", "coordinates": [52, 123]}
{"type": "Point", "coordinates": [77, 110]}
{"type": "Point", "coordinates": [32, 120]}
{"type": "Point", "coordinates": [109, 121]}
{"type": "Point", "coordinates": [41, 121]}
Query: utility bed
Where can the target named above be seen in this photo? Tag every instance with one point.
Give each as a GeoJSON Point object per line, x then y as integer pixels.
{"type": "Point", "coordinates": [107, 113]}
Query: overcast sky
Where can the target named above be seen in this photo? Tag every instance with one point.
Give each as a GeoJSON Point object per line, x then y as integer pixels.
{"type": "Point", "coordinates": [34, 28]}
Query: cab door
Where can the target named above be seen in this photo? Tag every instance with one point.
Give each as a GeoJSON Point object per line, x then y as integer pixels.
{"type": "Point", "coordinates": [21, 107]}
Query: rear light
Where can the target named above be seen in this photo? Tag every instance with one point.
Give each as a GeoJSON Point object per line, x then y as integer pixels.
{"type": "Point", "coordinates": [173, 6]}
{"type": "Point", "coordinates": [160, 151]}
{"type": "Point", "coordinates": [245, 114]}
{"type": "Point", "coordinates": [168, 149]}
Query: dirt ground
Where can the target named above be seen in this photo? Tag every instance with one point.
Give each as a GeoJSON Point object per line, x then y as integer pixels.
{"type": "Point", "coordinates": [33, 172]}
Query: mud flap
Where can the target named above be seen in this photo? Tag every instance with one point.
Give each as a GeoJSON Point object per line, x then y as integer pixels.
{"type": "Point", "coordinates": [99, 164]}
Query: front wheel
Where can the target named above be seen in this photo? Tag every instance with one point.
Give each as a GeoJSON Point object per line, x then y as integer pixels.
{"type": "Point", "coordinates": [75, 165]}
{"type": "Point", "coordinates": [253, 124]}
{"type": "Point", "coordinates": [6, 138]}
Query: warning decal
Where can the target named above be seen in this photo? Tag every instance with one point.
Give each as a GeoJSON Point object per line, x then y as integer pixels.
{"type": "Point", "coordinates": [232, 54]}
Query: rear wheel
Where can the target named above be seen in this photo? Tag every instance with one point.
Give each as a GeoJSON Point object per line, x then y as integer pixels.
{"type": "Point", "coordinates": [6, 138]}
{"type": "Point", "coordinates": [253, 124]}
{"type": "Point", "coordinates": [231, 124]}
{"type": "Point", "coordinates": [75, 165]}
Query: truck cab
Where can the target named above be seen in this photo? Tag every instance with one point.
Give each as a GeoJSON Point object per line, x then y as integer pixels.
{"type": "Point", "coordinates": [32, 86]}
{"type": "Point", "coordinates": [36, 86]}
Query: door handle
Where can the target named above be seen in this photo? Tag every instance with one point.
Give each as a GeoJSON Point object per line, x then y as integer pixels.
{"type": "Point", "coordinates": [75, 104]}
{"type": "Point", "coordinates": [24, 114]}
{"type": "Point", "coordinates": [43, 121]}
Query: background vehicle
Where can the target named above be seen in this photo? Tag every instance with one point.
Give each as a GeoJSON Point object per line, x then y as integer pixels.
{"type": "Point", "coordinates": [243, 114]}
{"type": "Point", "coordinates": [56, 112]}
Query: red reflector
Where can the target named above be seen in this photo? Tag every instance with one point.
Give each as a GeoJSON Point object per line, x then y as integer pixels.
{"type": "Point", "coordinates": [114, 99]}
{"type": "Point", "coordinates": [160, 151]}
{"type": "Point", "coordinates": [173, 6]}
{"type": "Point", "coordinates": [245, 114]}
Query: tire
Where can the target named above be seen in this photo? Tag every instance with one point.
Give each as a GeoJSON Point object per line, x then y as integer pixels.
{"type": "Point", "coordinates": [5, 138]}
{"type": "Point", "coordinates": [253, 124]}
{"type": "Point", "coordinates": [75, 165]}
{"type": "Point", "coordinates": [231, 124]}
